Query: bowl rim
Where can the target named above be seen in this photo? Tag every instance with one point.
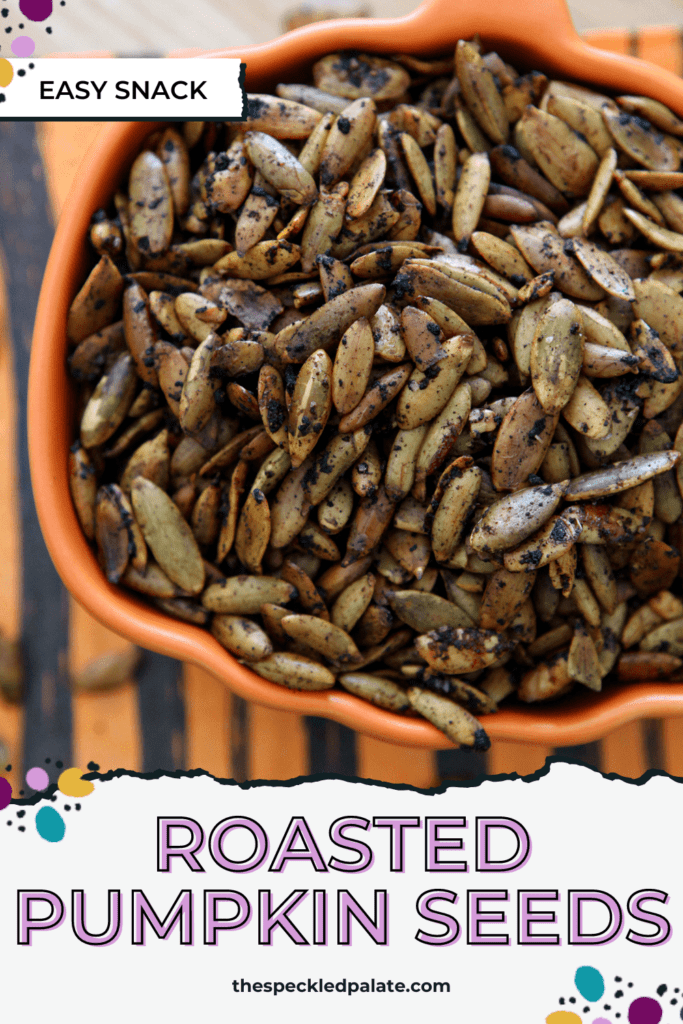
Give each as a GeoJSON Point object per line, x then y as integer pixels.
{"type": "Point", "coordinates": [433, 27]}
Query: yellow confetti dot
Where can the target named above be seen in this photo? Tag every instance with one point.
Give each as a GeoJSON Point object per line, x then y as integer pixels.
{"type": "Point", "coordinates": [72, 783]}
{"type": "Point", "coordinates": [6, 72]}
{"type": "Point", "coordinates": [563, 1017]}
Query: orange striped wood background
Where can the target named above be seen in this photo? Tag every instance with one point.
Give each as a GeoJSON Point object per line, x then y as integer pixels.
{"type": "Point", "coordinates": [220, 735]}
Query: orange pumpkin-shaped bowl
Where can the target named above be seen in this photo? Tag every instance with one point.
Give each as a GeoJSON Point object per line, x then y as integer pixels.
{"type": "Point", "coordinates": [538, 34]}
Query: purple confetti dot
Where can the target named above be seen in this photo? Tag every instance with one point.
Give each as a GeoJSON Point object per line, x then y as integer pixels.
{"type": "Point", "coordinates": [37, 778]}
{"type": "Point", "coordinates": [23, 46]}
{"type": "Point", "coordinates": [644, 1011]}
{"type": "Point", "coordinates": [5, 793]}
{"type": "Point", "coordinates": [36, 10]}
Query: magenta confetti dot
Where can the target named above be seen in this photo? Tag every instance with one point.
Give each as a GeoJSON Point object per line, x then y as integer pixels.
{"type": "Point", "coordinates": [644, 1011]}
{"type": "Point", "coordinates": [37, 778]}
{"type": "Point", "coordinates": [36, 10]}
{"type": "Point", "coordinates": [23, 46]}
{"type": "Point", "coordinates": [5, 793]}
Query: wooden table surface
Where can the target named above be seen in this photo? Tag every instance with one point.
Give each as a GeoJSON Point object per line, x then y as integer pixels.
{"type": "Point", "coordinates": [148, 26]}
{"type": "Point", "coordinates": [173, 716]}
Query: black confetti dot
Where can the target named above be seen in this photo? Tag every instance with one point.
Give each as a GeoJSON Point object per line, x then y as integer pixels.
{"type": "Point", "coordinates": [8, 768]}
{"type": "Point", "coordinates": [607, 1006]}
{"type": "Point", "coordinates": [586, 1009]}
{"type": "Point", "coordinates": [661, 989]}
{"type": "Point", "coordinates": [5, 12]}
{"type": "Point", "coordinates": [9, 822]}
{"type": "Point", "coordinates": [67, 807]}
{"type": "Point", "coordinates": [618, 994]}
{"type": "Point", "coordinates": [49, 31]}
{"type": "Point", "coordinates": [53, 798]}
{"type": "Point", "coordinates": [59, 764]}
{"type": "Point", "coordinates": [21, 26]}
{"type": "Point", "coordinates": [630, 985]}
{"type": "Point", "coordinates": [78, 807]}
{"type": "Point", "coordinates": [21, 791]}
{"type": "Point", "coordinates": [571, 999]}
{"type": "Point", "coordinates": [92, 767]}
{"type": "Point", "coordinates": [47, 760]}
{"type": "Point", "coordinates": [21, 73]}
{"type": "Point", "coordinates": [8, 29]}
{"type": "Point", "coordinates": [561, 1001]}
{"type": "Point", "coordinates": [617, 979]}
{"type": "Point", "coordinates": [22, 828]}
{"type": "Point", "coordinates": [21, 814]}
{"type": "Point", "coordinates": [31, 66]}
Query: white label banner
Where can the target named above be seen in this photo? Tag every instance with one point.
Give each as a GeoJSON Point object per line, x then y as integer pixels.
{"type": "Point", "coordinates": [125, 89]}
{"type": "Point", "coordinates": [179, 899]}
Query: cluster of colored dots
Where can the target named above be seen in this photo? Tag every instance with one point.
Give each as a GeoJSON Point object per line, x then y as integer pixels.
{"type": "Point", "coordinates": [591, 987]}
{"type": "Point", "coordinates": [23, 45]}
{"type": "Point", "coordinates": [50, 824]}
{"type": "Point", "coordinates": [32, 10]}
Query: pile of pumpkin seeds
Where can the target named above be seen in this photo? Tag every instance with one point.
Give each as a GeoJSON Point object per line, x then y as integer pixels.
{"type": "Point", "coordinates": [383, 385]}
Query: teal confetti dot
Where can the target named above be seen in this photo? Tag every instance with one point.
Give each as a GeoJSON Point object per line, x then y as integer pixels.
{"type": "Point", "coordinates": [50, 824]}
{"type": "Point", "coordinates": [590, 983]}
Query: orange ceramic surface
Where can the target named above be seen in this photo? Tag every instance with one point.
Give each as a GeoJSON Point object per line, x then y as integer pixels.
{"type": "Point", "coordinates": [539, 34]}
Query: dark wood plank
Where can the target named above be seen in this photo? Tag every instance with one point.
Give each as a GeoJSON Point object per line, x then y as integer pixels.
{"type": "Point", "coordinates": [332, 747]}
{"type": "Point", "coordinates": [162, 713]}
{"type": "Point", "coordinates": [653, 738]}
{"type": "Point", "coordinates": [26, 236]}
{"type": "Point", "coordinates": [462, 765]}
{"type": "Point", "coordinates": [585, 753]}
{"type": "Point", "coordinates": [239, 739]}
